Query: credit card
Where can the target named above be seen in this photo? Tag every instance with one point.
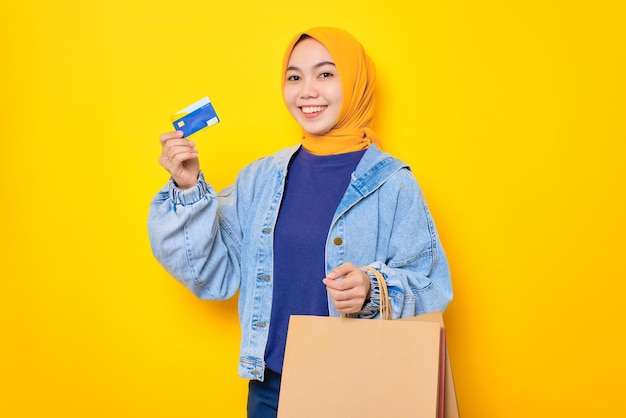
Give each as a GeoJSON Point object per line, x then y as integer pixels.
{"type": "Point", "coordinates": [197, 116]}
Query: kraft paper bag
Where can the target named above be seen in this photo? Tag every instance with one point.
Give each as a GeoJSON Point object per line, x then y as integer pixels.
{"type": "Point", "coordinates": [360, 368]}
{"type": "Point", "coordinates": [451, 406]}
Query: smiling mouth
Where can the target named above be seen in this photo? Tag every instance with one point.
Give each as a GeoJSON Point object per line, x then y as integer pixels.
{"type": "Point", "coordinates": [308, 110]}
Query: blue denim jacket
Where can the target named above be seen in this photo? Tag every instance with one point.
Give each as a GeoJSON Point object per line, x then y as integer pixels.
{"type": "Point", "coordinates": [218, 243]}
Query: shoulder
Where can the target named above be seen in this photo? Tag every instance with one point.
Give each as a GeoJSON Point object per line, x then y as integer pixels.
{"type": "Point", "coordinates": [377, 160]}
{"type": "Point", "coordinates": [378, 168]}
{"type": "Point", "coordinates": [268, 165]}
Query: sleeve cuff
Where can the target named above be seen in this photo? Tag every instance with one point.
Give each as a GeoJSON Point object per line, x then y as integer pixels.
{"type": "Point", "coordinates": [372, 306]}
{"type": "Point", "coordinates": [189, 196]}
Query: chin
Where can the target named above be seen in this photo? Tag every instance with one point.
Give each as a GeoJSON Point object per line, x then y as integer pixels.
{"type": "Point", "coordinates": [315, 130]}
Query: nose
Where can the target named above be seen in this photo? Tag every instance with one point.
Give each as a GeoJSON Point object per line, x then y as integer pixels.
{"type": "Point", "coordinates": [309, 89]}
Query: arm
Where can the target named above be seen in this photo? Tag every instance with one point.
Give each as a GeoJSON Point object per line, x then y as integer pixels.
{"type": "Point", "coordinates": [184, 228]}
{"type": "Point", "coordinates": [395, 229]}
{"type": "Point", "coordinates": [416, 269]}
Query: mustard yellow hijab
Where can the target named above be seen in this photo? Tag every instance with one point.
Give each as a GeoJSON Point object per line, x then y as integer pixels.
{"type": "Point", "coordinates": [353, 128]}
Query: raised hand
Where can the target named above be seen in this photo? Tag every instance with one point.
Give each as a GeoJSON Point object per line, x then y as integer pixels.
{"type": "Point", "coordinates": [180, 158]}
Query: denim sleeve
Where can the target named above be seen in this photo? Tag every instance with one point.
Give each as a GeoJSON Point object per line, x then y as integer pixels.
{"type": "Point", "coordinates": [187, 240]}
{"type": "Point", "coordinates": [415, 269]}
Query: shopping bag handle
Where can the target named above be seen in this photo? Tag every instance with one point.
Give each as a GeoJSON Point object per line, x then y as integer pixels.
{"type": "Point", "coordinates": [385, 304]}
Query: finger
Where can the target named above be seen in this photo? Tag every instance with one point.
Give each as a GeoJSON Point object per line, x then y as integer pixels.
{"type": "Point", "coordinates": [345, 294]}
{"type": "Point", "coordinates": [355, 277]}
{"type": "Point", "coordinates": [176, 163]}
{"type": "Point", "coordinates": [177, 143]}
{"type": "Point", "coordinates": [175, 146]}
{"type": "Point", "coordinates": [347, 306]}
{"type": "Point", "coordinates": [348, 301]}
{"type": "Point", "coordinates": [338, 285]}
{"type": "Point", "coordinates": [360, 291]}
{"type": "Point", "coordinates": [170, 135]}
{"type": "Point", "coordinates": [180, 153]}
{"type": "Point", "coordinates": [342, 270]}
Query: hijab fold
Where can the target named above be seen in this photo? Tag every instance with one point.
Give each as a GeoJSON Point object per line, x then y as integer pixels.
{"type": "Point", "coordinates": [353, 128]}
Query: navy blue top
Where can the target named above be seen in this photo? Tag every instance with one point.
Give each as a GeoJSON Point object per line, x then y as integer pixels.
{"type": "Point", "coordinates": [314, 187]}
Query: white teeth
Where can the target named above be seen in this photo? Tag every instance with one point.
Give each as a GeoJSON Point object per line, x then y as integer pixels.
{"type": "Point", "coordinates": [313, 109]}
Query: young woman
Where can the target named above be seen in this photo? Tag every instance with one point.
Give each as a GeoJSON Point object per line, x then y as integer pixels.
{"type": "Point", "coordinates": [294, 229]}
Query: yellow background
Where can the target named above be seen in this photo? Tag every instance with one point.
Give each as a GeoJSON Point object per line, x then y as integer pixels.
{"type": "Point", "coordinates": [511, 114]}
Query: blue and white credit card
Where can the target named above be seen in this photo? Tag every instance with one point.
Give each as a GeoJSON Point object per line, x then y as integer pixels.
{"type": "Point", "coordinates": [197, 116]}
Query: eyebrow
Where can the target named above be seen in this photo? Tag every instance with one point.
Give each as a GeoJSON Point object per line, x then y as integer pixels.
{"type": "Point", "coordinates": [320, 64]}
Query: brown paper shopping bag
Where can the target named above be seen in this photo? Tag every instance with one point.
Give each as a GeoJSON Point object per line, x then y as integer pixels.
{"type": "Point", "coordinates": [450, 404]}
{"type": "Point", "coordinates": [346, 367]}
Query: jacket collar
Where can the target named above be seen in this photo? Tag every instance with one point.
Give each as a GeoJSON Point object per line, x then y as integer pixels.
{"type": "Point", "coordinates": [373, 170]}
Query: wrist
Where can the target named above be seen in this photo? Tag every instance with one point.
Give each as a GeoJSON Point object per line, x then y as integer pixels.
{"type": "Point", "coordinates": [185, 185]}
{"type": "Point", "coordinates": [371, 306]}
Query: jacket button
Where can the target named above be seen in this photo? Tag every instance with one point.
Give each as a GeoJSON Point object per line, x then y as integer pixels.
{"type": "Point", "coordinates": [338, 241]}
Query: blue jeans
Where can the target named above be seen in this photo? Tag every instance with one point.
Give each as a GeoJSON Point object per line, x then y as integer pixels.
{"type": "Point", "coordinates": [263, 396]}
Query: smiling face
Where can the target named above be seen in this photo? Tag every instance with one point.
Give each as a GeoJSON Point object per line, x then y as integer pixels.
{"type": "Point", "coordinates": [312, 89]}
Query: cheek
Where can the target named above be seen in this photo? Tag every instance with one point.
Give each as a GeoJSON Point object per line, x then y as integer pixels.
{"type": "Point", "coordinates": [288, 95]}
{"type": "Point", "coordinates": [335, 95]}
{"type": "Point", "coordinates": [290, 101]}
{"type": "Point", "coordinates": [338, 92]}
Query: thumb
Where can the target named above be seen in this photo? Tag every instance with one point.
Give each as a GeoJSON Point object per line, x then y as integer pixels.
{"type": "Point", "coordinates": [330, 278]}
{"type": "Point", "coordinates": [340, 271]}
{"type": "Point", "coordinates": [333, 275]}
